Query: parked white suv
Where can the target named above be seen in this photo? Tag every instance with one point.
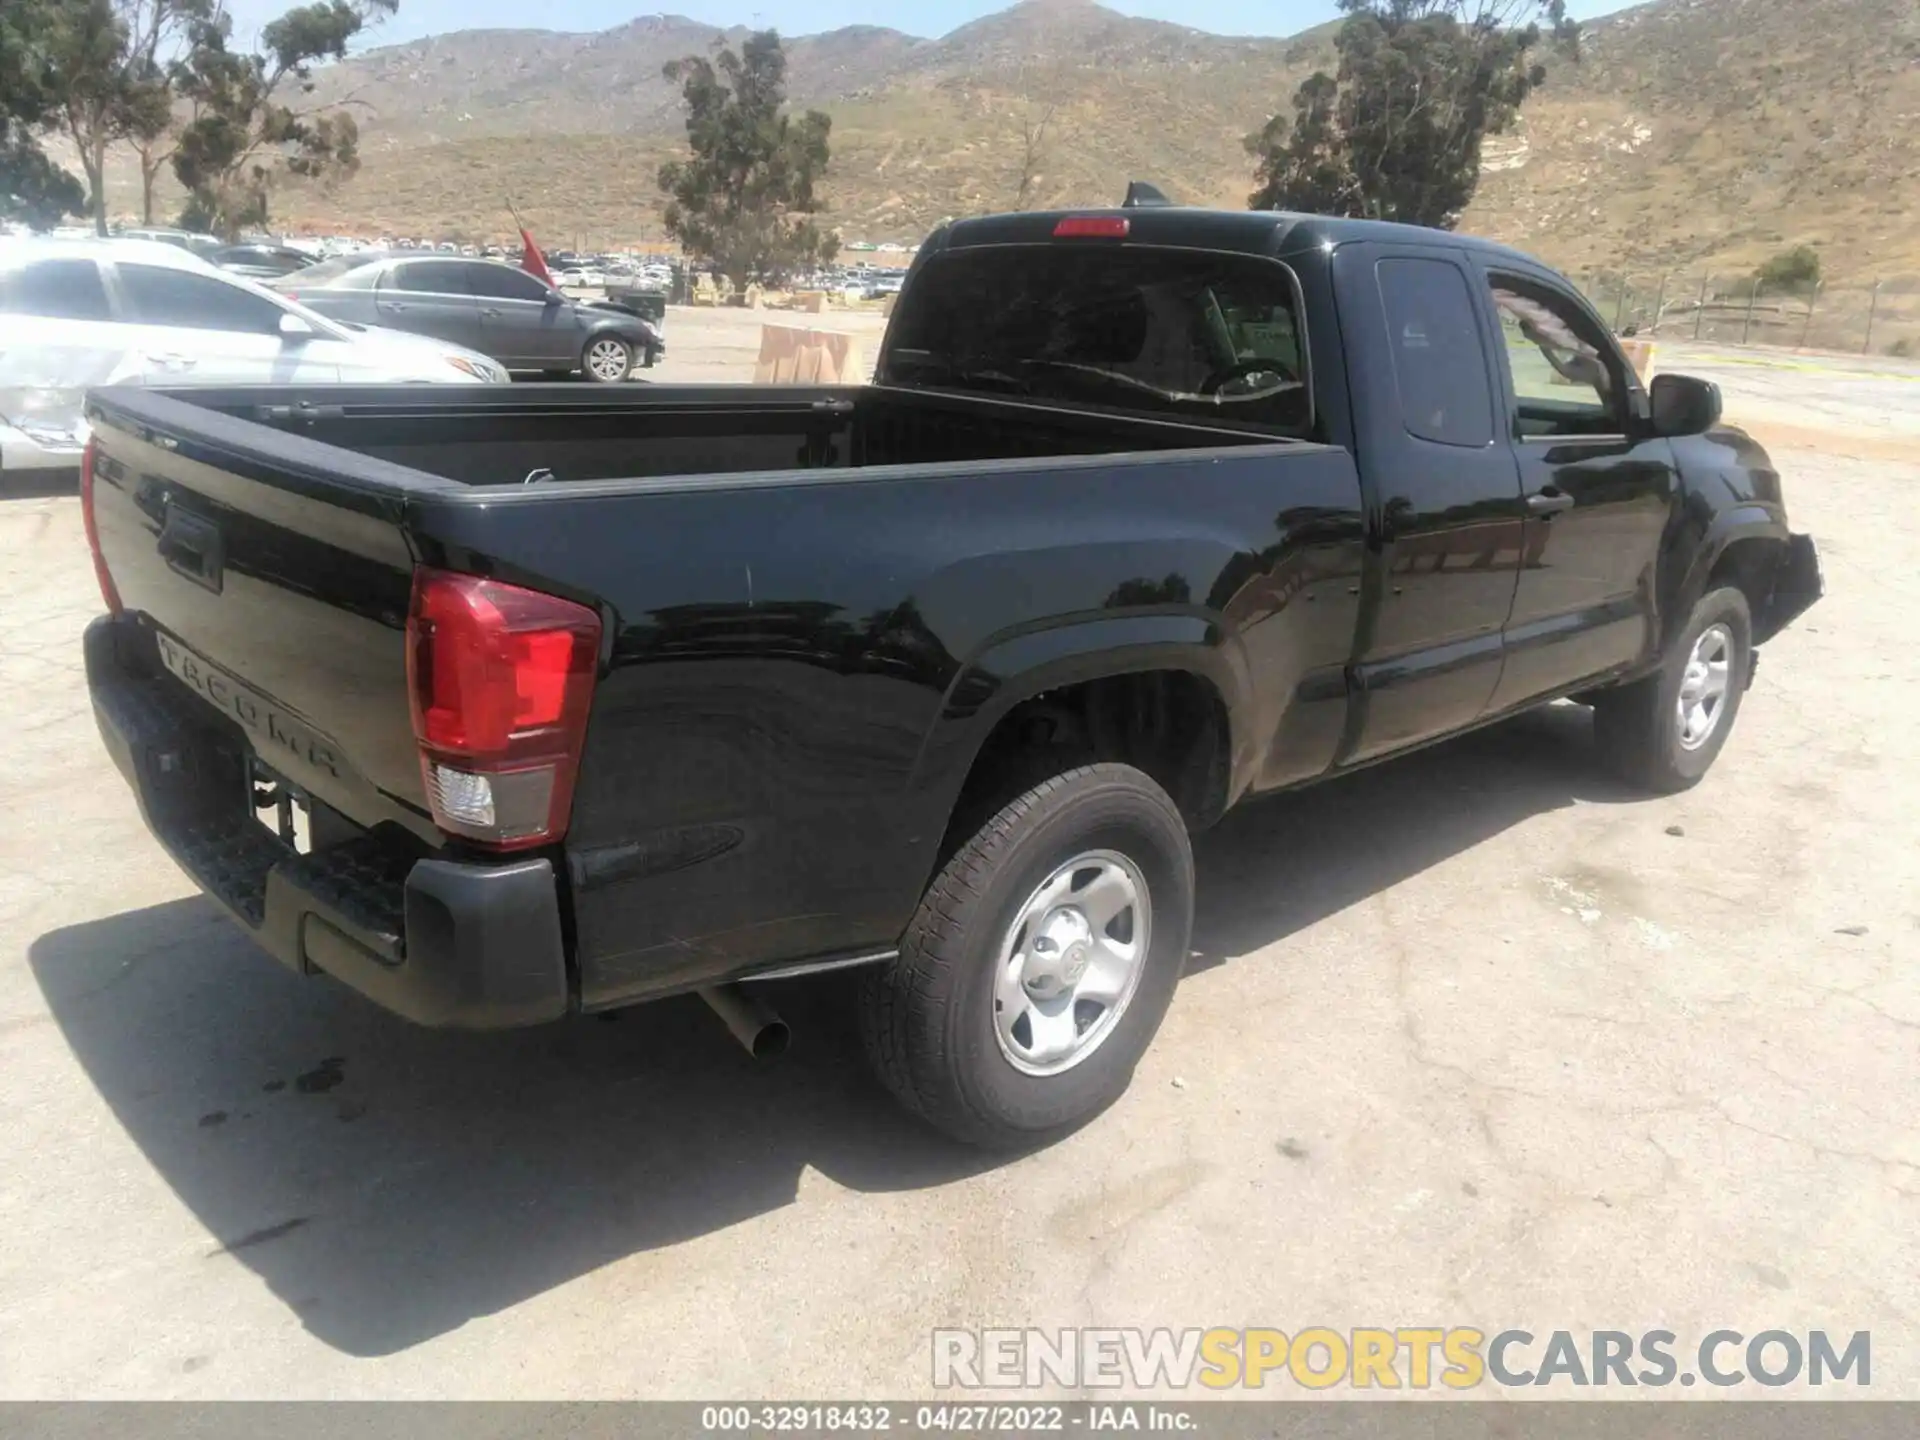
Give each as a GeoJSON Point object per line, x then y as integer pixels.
{"type": "Point", "coordinates": [79, 313]}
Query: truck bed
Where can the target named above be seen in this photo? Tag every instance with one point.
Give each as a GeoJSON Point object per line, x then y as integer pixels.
{"type": "Point", "coordinates": [488, 436]}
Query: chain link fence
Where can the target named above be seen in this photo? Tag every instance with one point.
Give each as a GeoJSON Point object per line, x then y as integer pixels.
{"type": "Point", "coordinates": [1880, 317]}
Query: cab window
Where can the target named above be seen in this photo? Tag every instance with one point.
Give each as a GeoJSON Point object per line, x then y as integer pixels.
{"type": "Point", "coordinates": [1439, 361]}
{"type": "Point", "coordinates": [1565, 377]}
{"type": "Point", "coordinates": [1183, 332]}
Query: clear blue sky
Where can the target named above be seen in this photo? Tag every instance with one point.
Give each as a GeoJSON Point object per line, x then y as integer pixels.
{"type": "Point", "coordinates": [807, 17]}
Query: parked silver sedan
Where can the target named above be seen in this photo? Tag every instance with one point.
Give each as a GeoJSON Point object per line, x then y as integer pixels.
{"type": "Point", "coordinates": [85, 312]}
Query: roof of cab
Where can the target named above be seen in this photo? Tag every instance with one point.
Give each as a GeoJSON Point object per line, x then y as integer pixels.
{"type": "Point", "coordinates": [1261, 232]}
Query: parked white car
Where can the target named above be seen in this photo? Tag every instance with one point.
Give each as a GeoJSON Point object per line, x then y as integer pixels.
{"type": "Point", "coordinates": [80, 313]}
{"type": "Point", "coordinates": [197, 241]}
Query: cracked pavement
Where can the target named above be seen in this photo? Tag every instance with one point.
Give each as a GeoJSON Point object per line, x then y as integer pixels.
{"type": "Point", "coordinates": [1476, 1038]}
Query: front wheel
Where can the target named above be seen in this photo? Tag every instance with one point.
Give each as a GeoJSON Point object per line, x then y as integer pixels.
{"type": "Point", "coordinates": [607, 360]}
{"type": "Point", "coordinates": [1664, 732]}
{"type": "Point", "coordinates": [1040, 963]}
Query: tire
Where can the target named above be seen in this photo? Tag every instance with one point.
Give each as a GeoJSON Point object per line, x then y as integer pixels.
{"type": "Point", "coordinates": [932, 1021]}
{"type": "Point", "coordinates": [606, 360]}
{"type": "Point", "coordinates": [1639, 728]}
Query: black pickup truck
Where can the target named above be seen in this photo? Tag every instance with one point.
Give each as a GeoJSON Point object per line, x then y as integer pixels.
{"type": "Point", "coordinates": [501, 705]}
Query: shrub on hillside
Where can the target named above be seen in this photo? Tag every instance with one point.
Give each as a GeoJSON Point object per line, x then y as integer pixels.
{"type": "Point", "coordinates": [1793, 270]}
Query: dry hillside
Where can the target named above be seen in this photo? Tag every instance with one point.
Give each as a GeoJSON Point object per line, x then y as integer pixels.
{"type": "Point", "coordinates": [1692, 131]}
{"type": "Point", "coordinates": [575, 126]}
{"type": "Point", "coordinates": [1721, 130]}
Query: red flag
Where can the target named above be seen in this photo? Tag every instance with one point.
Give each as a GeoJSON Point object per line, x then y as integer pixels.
{"type": "Point", "coordinates": [532, 261]}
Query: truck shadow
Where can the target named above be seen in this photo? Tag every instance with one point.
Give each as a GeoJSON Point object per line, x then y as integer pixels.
{"type": "Point", "coordinates": [390, 1184]}
{"type": "Point", "coordinates": [1277, 865]}
{"type": "Point", "coordinates": [39, 484]}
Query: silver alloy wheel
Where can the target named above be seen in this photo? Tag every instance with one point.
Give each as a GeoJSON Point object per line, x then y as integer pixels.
{"type": "Point", "coordinates": [609, 360]}
{"type": "Point", "coordinates": [1704, 687]}
{"type": "Point", "coordinates": [1070, 962]}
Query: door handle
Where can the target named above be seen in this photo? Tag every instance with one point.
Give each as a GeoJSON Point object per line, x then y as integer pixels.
{"type": "Point", "coordinates": [396, 304]}
{"type": "Point", "coordinates": [173, 361]}
{"type": "Point", "coordinates": [491, 313]}
{"type": "Point", "coordinates": [1549, 501]}
{"type": "Point", "coordinates": [193, 547]}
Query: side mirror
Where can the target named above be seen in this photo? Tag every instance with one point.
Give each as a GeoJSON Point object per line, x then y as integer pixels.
{"type": "Point", "coordinates": [554, 297]}
{"type": "Point", "coordinates": [292, 327]}
{"type": "Point", "coordinates": [1682, 405]}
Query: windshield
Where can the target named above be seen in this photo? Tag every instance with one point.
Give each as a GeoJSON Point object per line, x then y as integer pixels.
{"type": "Point", "coordinates": [1177, 331]}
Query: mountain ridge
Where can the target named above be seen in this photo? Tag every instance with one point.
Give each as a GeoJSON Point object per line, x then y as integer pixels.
{"type": "Point", "coordinates": [1692, 132]}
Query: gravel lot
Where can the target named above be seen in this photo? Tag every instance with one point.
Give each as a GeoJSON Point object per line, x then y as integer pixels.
{"type": "Point", "coordinates": [1477, 1038]}
{"type": "Point", "coordinates": [718, 347]}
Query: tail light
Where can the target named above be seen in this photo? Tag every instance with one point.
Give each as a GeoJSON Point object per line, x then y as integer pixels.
{"type": "Point", "coordinates": [108, 591]}
{"type": "Point", "coordinates": [501, 679]}
{"type": "Point", "coordinates": [1092, 227]}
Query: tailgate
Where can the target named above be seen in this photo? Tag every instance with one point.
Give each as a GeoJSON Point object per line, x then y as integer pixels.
{"type": "Point", "coordinates": [273, 574]}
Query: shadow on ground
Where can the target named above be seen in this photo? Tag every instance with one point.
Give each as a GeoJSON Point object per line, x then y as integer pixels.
{"type": "Point", "coordinates": [390, 1183]}
{"type": "Point", "coordinates": [38, 484]}
{"type": "Point", "coordinates": [1277, 865]}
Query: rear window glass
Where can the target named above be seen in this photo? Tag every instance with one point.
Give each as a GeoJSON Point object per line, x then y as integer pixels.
{"type": "Point", "coordinates": [1439, 361]}
{"type": "Point", "coordinates": [56, 289]}
{"type": "Point", "coordinates": [1180, 332]}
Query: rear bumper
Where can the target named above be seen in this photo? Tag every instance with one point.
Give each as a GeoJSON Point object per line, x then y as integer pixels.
{"type": "Point", "coordinates": [440, 942]}
{"type": "Point", "coordinates": [1797, 586]}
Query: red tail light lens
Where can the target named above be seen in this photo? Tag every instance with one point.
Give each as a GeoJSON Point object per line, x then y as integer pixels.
{"type": "Point", "coordinates": [1092, 227]}
{"type": "Point", "coordinates": [501, 680]}
{"type": "Point", "coordinates": [109, 592]}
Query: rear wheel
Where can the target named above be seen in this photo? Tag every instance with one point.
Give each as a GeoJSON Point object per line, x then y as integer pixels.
{"type": "Point", "coordinates": [1040, 962]}
{"type": "Point", "coordinates": [607, 360]}
{"type": "Point", "coordinates": [1664, 732]}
